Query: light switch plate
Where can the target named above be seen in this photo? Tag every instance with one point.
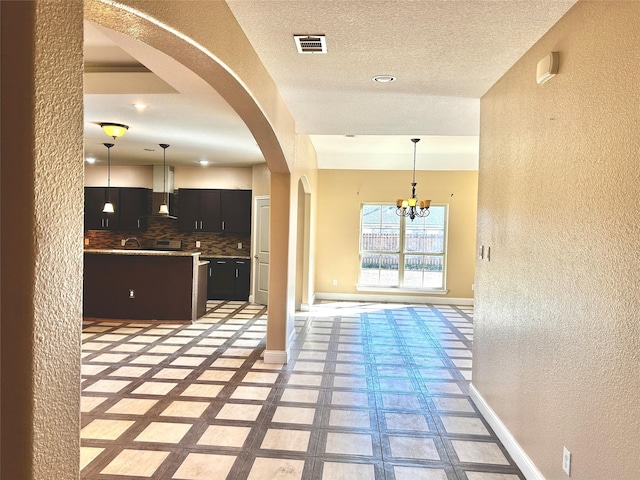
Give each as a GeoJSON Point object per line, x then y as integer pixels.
{"type": "Point", "coordinates": [197, 243]}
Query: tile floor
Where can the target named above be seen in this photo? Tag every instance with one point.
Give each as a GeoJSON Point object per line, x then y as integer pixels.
{"type": "Point", "coordinates": [373, 392]}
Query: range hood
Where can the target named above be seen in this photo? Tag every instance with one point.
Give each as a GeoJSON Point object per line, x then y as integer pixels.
{"type": "Point", "coordinates": [157, 199]}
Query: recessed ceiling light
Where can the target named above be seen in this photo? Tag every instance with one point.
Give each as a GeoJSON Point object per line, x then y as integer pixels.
{"type": "Point", "coordinates": [204, 163]}
{"type": "Point", "coordinates": [90, 160]}
{"type": "Point", "coordinates": [139, 106]}
{"type": "Point", "coordinates": [350, 136]}
{"type": "Point", "coordinates": [383, 78]}
{"type": "Point", "coordinates": [149, 150]}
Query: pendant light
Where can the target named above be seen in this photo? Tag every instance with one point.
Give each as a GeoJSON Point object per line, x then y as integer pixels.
{"type": "Point", "coordinates": [164, 208]}
{"type": "Point", "coordinates": [411, 207]}
{"type": "Point", "coordinates": [114, 130]}
{"type": "Point", "coordinates": [108, 206]}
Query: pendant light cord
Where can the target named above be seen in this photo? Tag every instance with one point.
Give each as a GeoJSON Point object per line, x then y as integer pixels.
{"type": "Point", "coordinates": [164, 170]}
{"type": "Point", "coordinates": [108, 145]}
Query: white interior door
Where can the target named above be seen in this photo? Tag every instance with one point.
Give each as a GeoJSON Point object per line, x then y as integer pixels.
{"type": "Point", "coordinates": [261, 257]}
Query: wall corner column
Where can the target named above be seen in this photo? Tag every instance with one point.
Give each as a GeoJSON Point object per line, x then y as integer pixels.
{"type": "Point", "coordinates": [277, 350]}
{"type": "Point", "coordinates": [41, 204]}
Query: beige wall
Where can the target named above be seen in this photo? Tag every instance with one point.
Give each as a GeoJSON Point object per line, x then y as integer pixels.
{"type": "Point", "coordinates": [260, 180]}
{"type": "Point", "coordinates": [139, 176]}
{"type": "Point", "coordinates": [215, 177]}
{"type": "Point", "coordinates": [340, 195]}
{"type": "Point", "coordinates": [184, 177]}
{"type": "Point", "coordinates": [557, 335]}
{"type": "Point", "coordinates": [41, 237]}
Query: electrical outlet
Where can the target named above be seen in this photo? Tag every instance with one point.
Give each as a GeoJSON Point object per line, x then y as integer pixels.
{"type": "Point", "coordinates": [197, 243]}
{"type": "Point", "coordinates": [239, 245]}
{"type": "Point", "coordinates": [335, 282]}
{"type": "Point", "coordinates": [132, 293]}
{"type": "Point", "coordinates": [566, 461]}
{"type": "Point", "coordinates": [86, 242]}
{"type": "Point", "coordinates": [123, 242]}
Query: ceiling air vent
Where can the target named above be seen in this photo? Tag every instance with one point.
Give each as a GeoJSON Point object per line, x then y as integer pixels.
{"type": "Point", "coordinates": [310, 43]}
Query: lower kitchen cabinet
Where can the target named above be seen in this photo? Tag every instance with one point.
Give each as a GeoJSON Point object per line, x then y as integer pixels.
{"type": "Point", "coordinates": [229, 278]}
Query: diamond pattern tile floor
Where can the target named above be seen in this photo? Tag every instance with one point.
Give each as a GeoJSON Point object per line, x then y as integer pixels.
{"type": "Point", "coordinates": [372, 392]}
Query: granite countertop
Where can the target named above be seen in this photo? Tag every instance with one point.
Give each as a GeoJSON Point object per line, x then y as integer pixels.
{"type": "Point", "coordinates": [232, 257]}
{"type": "Point", "coordinates": [135, 251]}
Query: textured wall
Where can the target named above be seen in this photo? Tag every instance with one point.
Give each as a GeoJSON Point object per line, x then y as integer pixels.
{"type": "Point", "coordinates": [41, 238]}
{"type": "Point", "coordinates": [340, 194]}
{"type": "Point", "coordinates": [557, 336]}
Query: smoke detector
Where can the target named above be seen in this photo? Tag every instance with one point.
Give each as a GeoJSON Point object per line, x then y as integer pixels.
{"type": "Point", "coordinates": [310, 43]}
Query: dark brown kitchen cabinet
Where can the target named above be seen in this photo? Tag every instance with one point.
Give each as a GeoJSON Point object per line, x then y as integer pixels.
{"type": "Point", "coordinates": [213, 210]}
{"type": "Point", "coordinates": [131, 207]}
{"type": "Point", "coordinates": [198, 210]}
{"type": "Point", "coordinates": [242, 283]}
{"type": "Point", "coordinates": [235, 211]}
{"type": "Point", "coordinates": [229, 279]}
{"type": "Point", "coordinates": [94, 217]}
{"type": "Point", "coordinates": [134, 206]}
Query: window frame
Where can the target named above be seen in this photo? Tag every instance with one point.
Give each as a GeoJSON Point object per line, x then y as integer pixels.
{"type": "Point", "coordinates": [401, 253]}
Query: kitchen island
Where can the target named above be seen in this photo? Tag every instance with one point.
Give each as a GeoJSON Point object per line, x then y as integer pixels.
{"type": "Point", "coordinates": [144, 284]}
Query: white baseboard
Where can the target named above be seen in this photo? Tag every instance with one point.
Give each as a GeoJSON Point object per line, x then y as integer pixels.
{"type": "Point", "coordinates": [276, 356]}
{"type": "Point", "coordinates": [250, 298]}
{"type": "Point", "coordinates": [526, 465]}
{"type": "Point", "coordinates": [389, 298]}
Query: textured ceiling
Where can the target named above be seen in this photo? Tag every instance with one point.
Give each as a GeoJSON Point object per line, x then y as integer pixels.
{"type": "Point", "coordinates": [445, 54]}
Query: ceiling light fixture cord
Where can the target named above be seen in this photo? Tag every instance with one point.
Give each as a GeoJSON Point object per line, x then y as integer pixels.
{"type": "Point", "coordinates": [108, 145]}
{"type": "Point", "coordinates": [164, 208]}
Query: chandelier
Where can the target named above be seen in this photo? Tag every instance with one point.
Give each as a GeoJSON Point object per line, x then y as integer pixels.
{"type": "Point", "coordinates": [411, 207]}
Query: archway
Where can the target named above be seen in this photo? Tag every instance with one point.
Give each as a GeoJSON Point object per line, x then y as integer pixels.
{"type": "Point", "coordinates": [224, 59]}
{"type": "Point", "coordinates": [303, 244]}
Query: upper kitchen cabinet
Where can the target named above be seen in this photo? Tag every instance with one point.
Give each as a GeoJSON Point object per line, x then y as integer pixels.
{"type": "Point", "coordinates": [201, 210]}
{"type": "Point", "coordinates": [198, 210]}
{"type": "Point", "coordinates": [134, 208]}
{"type": "Point", "coordinates": [235, 211]}
{"type": "Point", "coordinates": [94, 200]}
{"type": "Point", "coordinates": [131, 207]}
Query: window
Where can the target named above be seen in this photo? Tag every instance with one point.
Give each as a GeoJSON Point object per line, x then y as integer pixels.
{"type": "Point", "coordinates": [398, 252]}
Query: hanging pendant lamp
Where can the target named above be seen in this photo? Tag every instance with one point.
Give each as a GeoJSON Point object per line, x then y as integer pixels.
{"type": "Point", "coordinates": [108, 206]}
{"type": "Point", "coordinates": [164, 208]}
{"type": "Point", "coordinates": [411, 207]}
